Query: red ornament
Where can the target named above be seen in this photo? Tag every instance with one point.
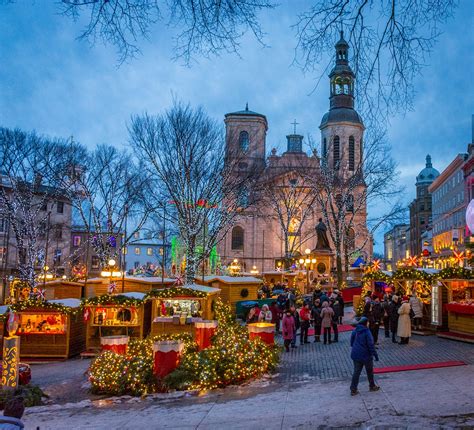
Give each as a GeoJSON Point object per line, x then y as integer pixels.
{"type": "Point", "coordinates": [87, 314]}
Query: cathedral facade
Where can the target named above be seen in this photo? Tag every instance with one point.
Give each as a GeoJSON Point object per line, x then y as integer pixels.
{"type": "Point", "coordinates": [271, 228]}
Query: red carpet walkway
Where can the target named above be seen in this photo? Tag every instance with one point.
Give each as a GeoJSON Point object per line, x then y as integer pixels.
{"type": "Point", "coordinates": [437, 365]}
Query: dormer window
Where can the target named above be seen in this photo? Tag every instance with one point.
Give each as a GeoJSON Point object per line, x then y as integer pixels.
{"type": "Point", "coordinates": [244, 141]}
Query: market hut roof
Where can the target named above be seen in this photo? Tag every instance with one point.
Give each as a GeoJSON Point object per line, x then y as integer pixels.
{"type": "Point", "coordinates": [133, 295]}
{"type": "Point", "coordinates": [71, 303]}
{"type": "Point", "coordinates": [236, 279]}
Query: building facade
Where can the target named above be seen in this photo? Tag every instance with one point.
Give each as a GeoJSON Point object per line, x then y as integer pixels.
{"type": "Point", "coordinates": [146, 251]}
{"type": "Point", "coordinates": [258, 238]}
{"type": "Point", "coordinates": [449, 210]}
{"type": "Point", "coordinates": [421, 207]}
{"type": "Point", "coordinates": [396, 245]}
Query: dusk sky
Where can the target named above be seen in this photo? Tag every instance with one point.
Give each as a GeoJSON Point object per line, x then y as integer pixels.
{"type": "Point", "coordinates": [59, 86]}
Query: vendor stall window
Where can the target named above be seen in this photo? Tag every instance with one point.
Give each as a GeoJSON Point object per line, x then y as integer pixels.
{"type": "Point", "coordinates": [170, 307]}
{"type": "Point", "coordinates": [42, 323]}
{"type": "Point", "coordinates": [115, 316]}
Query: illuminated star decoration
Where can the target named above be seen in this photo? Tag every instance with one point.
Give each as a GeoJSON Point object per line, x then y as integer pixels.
{"type": "Point", "coordinates": [40, 294]}
{"type": "Point", "coordinates": [376, 265]}
{"type": "Point", "coordinates": [179, 281]}
{"type": "Point", "coordinates": [112, 288]}
{"type": "Point", "coordinates": [459, 256]}
{"type": "Point", "coordinates": [412, 261]}
{"type": "Point", "coordinates": [279, 269]}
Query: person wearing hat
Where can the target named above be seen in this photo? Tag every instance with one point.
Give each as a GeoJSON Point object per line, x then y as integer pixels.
{"type": "Point", "coordinates": [363, 354]}
{"type": "Point", "coordinates": [404, 322]}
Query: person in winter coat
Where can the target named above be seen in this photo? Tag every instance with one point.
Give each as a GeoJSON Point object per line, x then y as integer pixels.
{"type": "Point", "coordinates": [335, 319]}
{"type": "Point", "coordinates": [376, 318]}
{"type": "Point", "coordinates": [305, 316]}
{"type": "Point", "coordinates": [276, 315]}
{"type": "Point", "coordinates": [386, 314]}
{"type": "Point", "coordinates": [12, 413]}
{"type": "Point", "coordinates": [252, 316]}
{"type": "Point", "coordinates": [296, 317]}
{"type": "Point", "coordinates": [326, 321]}
{"type": "Point", "coordinates": [316, 317]}
{"type": "Point", "coordinates": [288, 328]}
{"type": "Point", "coordinates": [265, 314]}
{"type": "Point", "coordinates": [393, 315]}
{"type": "Point", "coordinates": [404, 323]}
{"type": "Point", "coordinates": [324, 297]}
{"type": "Point", "coordinates": [363, 353]}
{"type": "Point", "coordinates": [340, 300]}
{"type": "Point", "coordinates": [417, 308]}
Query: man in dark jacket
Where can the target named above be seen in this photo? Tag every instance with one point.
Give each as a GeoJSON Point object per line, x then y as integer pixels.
{"type": "Point", "coordinates": [335, 319]}
{"type": "Point", "coordinates": [386, 314]}
{"type": "Point", "coordinates": [377, 315]}
{"type": "Point", "coordinates": [316, 318]}
{"type": "Point", "coordinates": [362, 354]}
{"type": "Point", "coordinates": [340, 300]}
{"type": "Point", "coordinates": [296, 316]}
{"type": "Point", "coordinates": [393, 315]}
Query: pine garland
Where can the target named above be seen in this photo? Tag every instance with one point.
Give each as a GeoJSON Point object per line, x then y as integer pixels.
{"type": "Point", "coordinates": [35, 304]}
{"type": "Point", "coordinates": [169, 293]}
{"type": "Point", "coordinates": [107, 299]}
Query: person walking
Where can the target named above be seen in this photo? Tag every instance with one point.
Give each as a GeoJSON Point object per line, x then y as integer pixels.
{"type": "Point", "coordinates": [265, 314]}
{"type": "Point", "coordinates": [316, 317]}
{"type": "Point", "coordinates": [334, 304]}
{"type": "Point", "coordinates": [340, 300]}
{"type": "Point", "coordinates": [393, 315]}
{"type": "Point", "coordinates": [326, 321]}
{"type": "Point", "coordinates": [386, 314]}
{"type": "Point", "coordinates": [276, 315]}
{"type": "Point", "coordinates": [305, 316]}
{"type": "Point", "coordinates": [288, 329]}
{"type": "Point", "coordinates": [404, 323]}
{"type": "Point", "coordinates": [363, 353]}
{"type": "Point", "coordinates": [417, 308]}
{"type": "Point", "coordinates": [296, 317]}
{"type": "Point", "coordinates": [376, 318]}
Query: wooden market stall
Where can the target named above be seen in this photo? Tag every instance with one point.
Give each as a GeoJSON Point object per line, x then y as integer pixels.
{"type": "Point", "coordinates": [236, 288]}
{"type": "Point", "coordinates": [177, 309]}
{"type": "Point", "coordinates": [142, 284]}
{"type": "Point", "coordinates": [50, 329]}
{"type": "Point", "coordinates": [460, 309]}
{"type": "Point", "coordinates": [127, 314]}
{"type": "Point", "coordinates": [62, 289]}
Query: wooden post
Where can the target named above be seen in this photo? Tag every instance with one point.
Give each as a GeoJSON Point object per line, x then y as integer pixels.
{"type": "Point", "coordinates": [11, 358]}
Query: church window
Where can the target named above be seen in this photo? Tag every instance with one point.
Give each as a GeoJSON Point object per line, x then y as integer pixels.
{"type": "Point", "coordinates": [237, 238]}
{"type": "Point", "coordinates": [351, 154]}
{"type": "Point", "coordinates": [339, 201]}
{"type": "Point", "coordinates": [350, 203]}
{"type": "Point", "coordinates": [350, 239]}
{"type": "Point", "coordinates": [325, 148]}
{"type": "Point", "coordinates": [244, 141]}
{"type": "Point", "coordinates": [243, 198]}
{"type": "Point", "coordinates": [336, 153]}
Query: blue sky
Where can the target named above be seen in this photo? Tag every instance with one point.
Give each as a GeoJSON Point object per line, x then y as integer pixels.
{"type": "Point", "coordinates": [57, 85]}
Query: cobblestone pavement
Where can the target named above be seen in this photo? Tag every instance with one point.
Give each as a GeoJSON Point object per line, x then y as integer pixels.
{"type": "Point", "coordinates": [316, 360]}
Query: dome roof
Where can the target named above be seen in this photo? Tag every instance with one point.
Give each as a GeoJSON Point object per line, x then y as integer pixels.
{"type": "Point", "coordinates": [341, 114]}
{"type": "Point", "coordinates": [428, 174]}
{"type": "Point", "coordinates": [245, 112]}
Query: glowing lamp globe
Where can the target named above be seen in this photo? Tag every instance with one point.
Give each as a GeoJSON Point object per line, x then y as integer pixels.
{"type": "Point", "coordinates": [112, 262]}
{"type": "Point", "coordinates": [470, 216]}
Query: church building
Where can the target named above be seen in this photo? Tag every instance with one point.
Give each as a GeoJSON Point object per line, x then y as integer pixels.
{"type": "Point", "coordinates": [271, 228]}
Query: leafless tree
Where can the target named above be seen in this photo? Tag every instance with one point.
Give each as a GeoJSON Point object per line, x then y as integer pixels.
{"type": "Point", "coordinates": [32, 178]}
{"type": "Point", "coordinates": [110, 192]}
{"type": "Point", "coordinates": [343, 195]}
{"type": "Point", "coordinates": [289, 198]}
{"type": "Point", "coordinates": [184, 152]}
{"type": "Point", "coordinates": [203, 26]}
{"type": "Point", "coordinates": [390, 42]}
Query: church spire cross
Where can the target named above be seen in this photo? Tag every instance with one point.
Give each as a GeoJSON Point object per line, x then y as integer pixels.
{"type": "Point", "coordinates": [294, 124]}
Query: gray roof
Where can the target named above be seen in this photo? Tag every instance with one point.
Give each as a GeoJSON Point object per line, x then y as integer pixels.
{"type": "Point", "coordinates": [341, 114]}
{"type": "Point", "coordinates": [246, 112]}
{"type": "Point", "coordinates": [428, 174]}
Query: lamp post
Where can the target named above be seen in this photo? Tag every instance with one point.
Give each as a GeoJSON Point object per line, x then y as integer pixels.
{"type": "Point", "coordinates": [307, 261]}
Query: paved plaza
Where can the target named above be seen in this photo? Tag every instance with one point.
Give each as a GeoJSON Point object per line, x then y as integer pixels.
{"type": "Point", "coordinates": [309, 390]}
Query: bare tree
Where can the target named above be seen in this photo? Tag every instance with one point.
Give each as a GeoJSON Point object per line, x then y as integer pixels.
{"type": "Point", "coordinates": [33, 179]}
{"type": "Point", "coordinates": [343, 194]}
{"type": "Point", "coordinates": [390, 41]}
{"type": "Point", "coordinates": [203, 27]}
{"type": "Point", "coordinates": [289, 198]}
{"type": "Point", "coordinates": [184, 152]}
{"type": "Point", "coordinates": [109, 191]}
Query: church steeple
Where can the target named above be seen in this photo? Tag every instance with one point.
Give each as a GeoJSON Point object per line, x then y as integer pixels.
{"type": "Point", "coordinates": [342, 78]}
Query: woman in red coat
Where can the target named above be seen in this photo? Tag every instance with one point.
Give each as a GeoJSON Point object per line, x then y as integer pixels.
{"type": "Point", "coordinates": [288, 328]}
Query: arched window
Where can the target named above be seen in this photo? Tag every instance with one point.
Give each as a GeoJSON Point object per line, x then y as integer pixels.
{"type": "Point", "coordinates": [351, 154]}
{"type": "Point", "coordinates": [350, 203]}
{"type": "Point", "coordinates": [243, 198]}
{"type": "Point", "coordinates": [350, 239]}
{"type": "Point", "coordinates": [325, 148]}
{"type": "Point", "coordinates": [237, 238]}
{"type": "Point", "coordinates": [339, 201]}
{"type": "Point", "coordinates": [244, 141]}
{"type": "Point", "coordinates": [336, 151]}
